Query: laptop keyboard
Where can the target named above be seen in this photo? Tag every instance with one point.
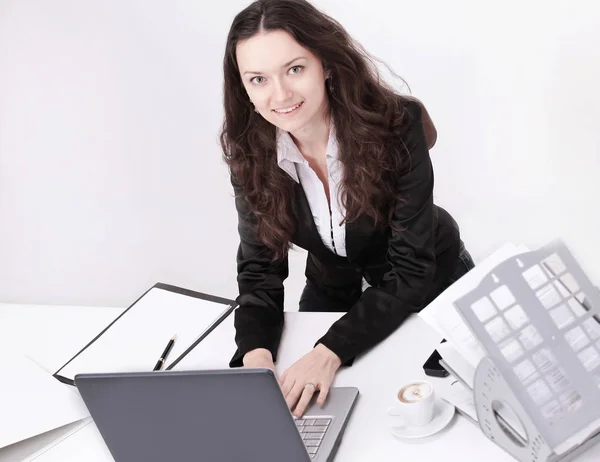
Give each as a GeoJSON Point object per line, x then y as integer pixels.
{"type": "Point", "coordinates": [312, 430]}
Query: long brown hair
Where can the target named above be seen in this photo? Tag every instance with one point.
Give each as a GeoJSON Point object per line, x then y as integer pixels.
{"type": "Point", "coordinates": [367, 114]}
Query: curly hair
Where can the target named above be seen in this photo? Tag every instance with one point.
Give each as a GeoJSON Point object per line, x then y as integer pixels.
{"type": "Point", "coordinates": [368, 115]}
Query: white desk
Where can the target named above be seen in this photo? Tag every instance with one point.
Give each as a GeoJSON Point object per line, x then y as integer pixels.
{"type": "Point", "coordinates": [51, 335]}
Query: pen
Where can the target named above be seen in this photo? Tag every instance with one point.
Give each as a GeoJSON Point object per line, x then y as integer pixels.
{"type": "Point", "coordinates": [161, 361]}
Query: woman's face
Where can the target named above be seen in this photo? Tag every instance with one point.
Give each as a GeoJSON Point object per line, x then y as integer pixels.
{"type": "Point", "coordinates": [284, 80]}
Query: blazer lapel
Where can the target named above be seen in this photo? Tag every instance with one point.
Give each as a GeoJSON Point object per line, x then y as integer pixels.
{"type": "Point", "coordinates": [306, 234]}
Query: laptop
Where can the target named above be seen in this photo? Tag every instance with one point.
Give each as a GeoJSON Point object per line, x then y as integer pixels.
{"type": "Point", "coordinates": [229, 415]}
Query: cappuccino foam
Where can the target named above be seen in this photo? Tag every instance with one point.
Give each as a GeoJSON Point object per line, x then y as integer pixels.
{"type": "Point", "coordinates": [414, 392]}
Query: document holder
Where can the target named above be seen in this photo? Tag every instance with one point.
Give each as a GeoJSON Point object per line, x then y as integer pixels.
{"type": "Point", "coordinates": [537, 317]}
{"type": "Point", "coordinates": [134, 340]}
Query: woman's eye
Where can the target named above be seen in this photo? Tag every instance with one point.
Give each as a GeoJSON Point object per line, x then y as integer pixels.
{"type": "Point", "coordinates": [258, 79]}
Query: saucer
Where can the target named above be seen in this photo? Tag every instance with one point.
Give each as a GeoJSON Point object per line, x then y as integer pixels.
{"type": "Point", "coordinates": [443, 412]}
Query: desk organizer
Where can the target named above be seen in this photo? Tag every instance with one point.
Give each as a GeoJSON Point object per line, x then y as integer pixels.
{"type": "Point", "coordinates": [537, 392]}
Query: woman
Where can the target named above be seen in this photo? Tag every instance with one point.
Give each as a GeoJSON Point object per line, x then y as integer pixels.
{"type": "Point", "coordinates": [324, 155]}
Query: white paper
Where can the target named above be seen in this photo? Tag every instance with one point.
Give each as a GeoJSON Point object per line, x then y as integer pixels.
{"type": "Point", "coordinates": [33, 402]}
{"type": "Point", "coordinates": [135, 342]}
{"type": "Point", "coordinates": [213, 352]}
{"type": "Point", "coordinates": [445, 318]}
{"type": "Point", "coordinates": [460, 396]}
{"type": "Point", "coordinates": [82, 444]}
{"type": "Point", "coordinates": [459, 365]}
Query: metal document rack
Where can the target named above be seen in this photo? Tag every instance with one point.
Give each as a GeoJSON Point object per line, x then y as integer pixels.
{"type": "Point", "coordinates": [537, 315]}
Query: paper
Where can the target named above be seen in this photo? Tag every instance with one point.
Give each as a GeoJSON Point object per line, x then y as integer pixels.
{"type": "Point", "coordinates": [445, 318]}
{"type": "Point", "coordinates": [214, 352]}
{"type": "Point", "coordinates": [461, 397]}
{"type": "Point", "coordinates": [461, 368]}
{"type": "Point", "coordinates": [82, 443]}
{"type": "Point", "coordinates": [136, 340]}
{"type": "Point", "coordinates": [34, 402]}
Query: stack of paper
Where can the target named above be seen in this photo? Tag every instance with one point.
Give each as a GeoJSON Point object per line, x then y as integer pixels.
{"type": "Point", "coordinates": [462, 352]}
{"type": "Point", "coordinates": [33, 402]}
{"type": "Point", "coordinates": [443, 316]}
{"type": "Point", "coordinates": [541, 353]}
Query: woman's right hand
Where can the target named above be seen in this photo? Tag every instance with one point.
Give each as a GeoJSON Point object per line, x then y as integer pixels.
{"type": "Point", "coordinates": [259, 357]}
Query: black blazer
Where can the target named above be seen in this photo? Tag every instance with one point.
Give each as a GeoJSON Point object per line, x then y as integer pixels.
{"type": "Point", "coordinates": [406, 269]}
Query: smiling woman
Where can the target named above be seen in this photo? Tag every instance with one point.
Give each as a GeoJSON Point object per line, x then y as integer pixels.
{"type": "Point", "coordinates": [325, 155]}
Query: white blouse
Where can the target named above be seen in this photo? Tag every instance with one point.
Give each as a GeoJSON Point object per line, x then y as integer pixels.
{"type": "Point", "coordinates": [290, 160]}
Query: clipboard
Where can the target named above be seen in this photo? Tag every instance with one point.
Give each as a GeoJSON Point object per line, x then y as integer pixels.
{"type": "Point", "coordinates": [134, 340]}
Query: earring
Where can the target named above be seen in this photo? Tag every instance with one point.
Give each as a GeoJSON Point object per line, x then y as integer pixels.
{"type": "Point", "coordinates": [329, 80]}
{"type": "Point", "coordinates": [330, 84]}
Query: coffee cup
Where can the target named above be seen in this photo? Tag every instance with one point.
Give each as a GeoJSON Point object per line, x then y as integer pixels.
{"type": "Point", "coordinates": [414, 403]}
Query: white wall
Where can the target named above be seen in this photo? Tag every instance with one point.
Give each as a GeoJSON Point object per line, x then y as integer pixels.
{"type": "Point", "coordinates": [111, 176]}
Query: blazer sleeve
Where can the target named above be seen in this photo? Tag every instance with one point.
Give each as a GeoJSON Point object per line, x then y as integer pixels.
{"type": "Point", "coordinates": [411, 251]}
{"type": "Point", "coordinates": [258, 319]}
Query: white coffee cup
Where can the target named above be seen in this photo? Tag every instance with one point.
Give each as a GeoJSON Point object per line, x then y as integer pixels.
{"type": "Point", "coordinates": [414, 402]}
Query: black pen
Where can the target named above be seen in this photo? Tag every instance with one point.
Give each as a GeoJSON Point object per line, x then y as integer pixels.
{"type": "Point", "coordinates": [161, 361]}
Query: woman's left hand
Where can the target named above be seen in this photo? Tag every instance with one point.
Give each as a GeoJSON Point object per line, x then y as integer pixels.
{"type": "Point", "coordinates": [312, 373]}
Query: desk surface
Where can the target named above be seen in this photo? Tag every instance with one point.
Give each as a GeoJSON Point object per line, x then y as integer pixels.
{"type": "Point", "coordinates": [51, 334]}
